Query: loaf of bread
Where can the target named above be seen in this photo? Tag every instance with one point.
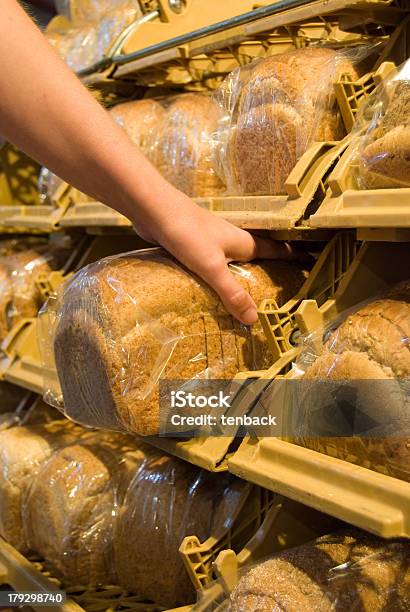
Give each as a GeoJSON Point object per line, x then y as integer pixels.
{"type": "Point", "coordinates": [278, 106]}
{"type": "Point", "coordinates": [184, 150]}
{"type": "Point", "coordinates": [126, 322]}
{"type": "Point", "coordinates": [22, 452]}
{"type": "Point", "coordinates": [140, 119]}
{"type": "Point", "coordinates": [84, 41]}
{"type": "Point", "coordinates": [385, 158]}
{"type": "Point", "coordinates": [168, 500]}
{"type": "Point", "coordinates": [71, 506]}
{"type": "Point", "coordinates": [354, 401]}
{"type": "Point", "coordinates": [20, 296]}
{"type": "Point", "coordinates": [350, 570]}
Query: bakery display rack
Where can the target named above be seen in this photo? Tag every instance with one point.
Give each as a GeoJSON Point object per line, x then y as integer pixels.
{"type": "Point", "coordinates": [358, 495]}
{"type": "Point", "coordinates": [22, 363]}
{"type": "Point", "coordinates": [265, 524]}
{"type": "Point", "coordinates": [288, 214]}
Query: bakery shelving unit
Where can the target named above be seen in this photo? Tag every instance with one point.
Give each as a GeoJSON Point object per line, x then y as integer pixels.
{"type": "Point", "coordinates": [266, 523]}
{"type": "Point", "coordinates": [288, 214]}
{"type": "Point", "coordinates": [22, 362]}
{"type": "Point", "coordinates": [358, 495]}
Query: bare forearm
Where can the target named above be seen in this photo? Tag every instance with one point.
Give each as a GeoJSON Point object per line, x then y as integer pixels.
{"type": "Point", "coordinates": [46, 111]}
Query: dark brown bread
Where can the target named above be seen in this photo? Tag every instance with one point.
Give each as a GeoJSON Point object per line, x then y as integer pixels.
{"type": "Point", "coordinates": [338, 573]}
{"type": "Point", "coordinates": [126, 322]}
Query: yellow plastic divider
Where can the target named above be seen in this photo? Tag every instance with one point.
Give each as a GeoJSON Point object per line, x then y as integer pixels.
{"type": "Point", "coordinates": [346, 206]}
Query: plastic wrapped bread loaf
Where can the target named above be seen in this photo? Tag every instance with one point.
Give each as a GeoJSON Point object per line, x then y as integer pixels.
{"type": "Point", "coordinates": [122, 324]}
{"type": "Point", "coordinates": [84, 39]}
{"type": "Point", "coordinates": [20, 296]}
{"type": "Point", "coordinates": [72, 503]}
{"type": "Point", "coordinates": [274, 109]}
{"type": "Point", "coordinates": [140, 119]}
{"type": "Point", "coordinates": [22, 452]}
{"type": "Point", "coordinates": [168, 500]}
{"type": "Point", "coordinates": [349, 570]}
{"type": "Point", "coordinates": [184, 149]}
{"type": "Point", "coordinates": [384, 151]}
{"type": "Point", "coordinates": [353, 400]}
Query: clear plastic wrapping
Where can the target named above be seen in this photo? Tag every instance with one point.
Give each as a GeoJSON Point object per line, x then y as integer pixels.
{"type": "Point", "coordinates": [123, 324]}
{"type": "Point", "coordinates": [84, 41]}
{"type": "Point", "coordinates": [383, 153]}
{"type": "Point", "coordinates": [346, 571]}
{"type": "Point", "coordinates": [184, 151]}
{"type": "Point", "coordinates": [167, 500]}
{"type": "Point", "coordinates": [352, 399]}
{"type": "Point", "coordinates": [22, 452]}
{"type": "Point", "coordinates": [140, 120]}
{"type": "Point", "coordinates": [71, 506]}
{"type": "Point", "coordinates": [274, 109]}
{"type": "Point", "coordinates": [19, 270]}
{"type": "Point", "coordinates": [48, 185]}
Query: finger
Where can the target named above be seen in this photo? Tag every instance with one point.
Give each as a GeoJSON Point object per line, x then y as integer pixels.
{"type": "Point", "coordinates": [244, 246]}
{"type": "Point", "coordinates": [235, 298]}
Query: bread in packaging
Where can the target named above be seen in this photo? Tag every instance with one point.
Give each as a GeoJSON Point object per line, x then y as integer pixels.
{"type": "Point", "coordinates": [140, 120]}
{"type": "Point", "coordinates": [274, 109]}
{"type": "Point", "coordinates": [23, 450]}
{"type": "Point", "coordinates": [384, 151]}
{"type": "Point", "coordinates": [126, 322]}
{"type": "Point", "coordinates": [354, 397]}
{"type": "Point", "coordinates": [168, 500]}
{"type": "Point", "coordinates": [350, 570]}
{"type": "Point", "coordinates": [184, 148]}
{"type": "Point", "coordinates": [72, 503]}
{"type": "Point", "coordinates": [20, 295]}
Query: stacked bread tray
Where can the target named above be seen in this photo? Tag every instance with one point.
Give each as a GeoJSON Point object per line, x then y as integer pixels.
{"type": "Point", "coordinates": [266, 524]}
{"type": "Point", "coordinates": [374, 501]}
{"type": "Point", "coordinates": [25, 366]}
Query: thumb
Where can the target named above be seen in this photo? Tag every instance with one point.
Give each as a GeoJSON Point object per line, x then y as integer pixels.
{"type": "Point", "coordinates": [235, 298]}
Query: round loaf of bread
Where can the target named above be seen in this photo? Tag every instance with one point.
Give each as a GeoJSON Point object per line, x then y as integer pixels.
{"type": "Point", "coordinates": [168, 500]}
{"type": "Point", "coordinates": [71, 506]}
{"type": "Point", "coordinates": [140, 119]}
{"type": "Point", "coordinates": [125, 323]}
{"type": "Point", "coordinates": [286, 102]}
{"type": "Point", "coordinates": [23, 450]}
{"type": "Point", "coordinates": [354, 397]}
{"type": "Point", "coordinates": [345, 571]}
{"type": "Point", "coordinates": [184, 150]}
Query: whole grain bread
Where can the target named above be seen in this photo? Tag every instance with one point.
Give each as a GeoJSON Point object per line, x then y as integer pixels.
{"type": "Point", "coordinates": [285, 103]}
{"type": "Point", "coordinates": [71, 506]}
{"type": "Point", "coordinates": [350, 570]}
{"type": "Point", "coordinates": [364, 368]}
{"type": "Point", "coordinates": [168, 500]}
{"type": "Point", "coordinates": [385, 159]}
{"type": "Point", "coordinates": [126, 322]}
{"type": "Point", "coordinates": [184, 150]}
{"type": "Point", "coordinates": [23, 450]}
{"type": "Point", "coordinates": [140, 119]}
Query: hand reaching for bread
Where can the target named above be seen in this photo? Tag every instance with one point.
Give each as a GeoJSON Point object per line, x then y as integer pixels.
{"type": "Point", "coordinates": [206, 244]}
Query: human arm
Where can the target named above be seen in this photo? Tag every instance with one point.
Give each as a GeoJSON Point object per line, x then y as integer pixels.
{"type": "Point", "coordinates": [49, 114]}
